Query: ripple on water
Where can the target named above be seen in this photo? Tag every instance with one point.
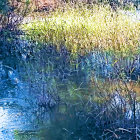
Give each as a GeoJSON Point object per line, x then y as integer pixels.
{"type": "Point", "coordinates": [14, 118]}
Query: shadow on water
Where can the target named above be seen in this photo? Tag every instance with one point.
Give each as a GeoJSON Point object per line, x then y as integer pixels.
{"type": "Point", "coordinates": [47, 94]}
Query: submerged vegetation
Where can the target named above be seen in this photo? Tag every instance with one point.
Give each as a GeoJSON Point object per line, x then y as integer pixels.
{"type": "Point", "coordinates": [85, 28]}
{"type": "Point", "coordinates": [95, 95]}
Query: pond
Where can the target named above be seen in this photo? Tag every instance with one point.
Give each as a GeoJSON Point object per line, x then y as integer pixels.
{"type": "Point", "coordinates": [46, 94]}
{"type": "Point", "coordinates": [50, 96]}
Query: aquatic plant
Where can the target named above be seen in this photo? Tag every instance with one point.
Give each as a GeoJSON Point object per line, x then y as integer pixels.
{"type": "Point", "coordinates": [82, 29]}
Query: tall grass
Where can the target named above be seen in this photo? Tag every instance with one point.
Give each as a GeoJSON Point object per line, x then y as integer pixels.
{"type": "Point", "coordinates": [82, 29]}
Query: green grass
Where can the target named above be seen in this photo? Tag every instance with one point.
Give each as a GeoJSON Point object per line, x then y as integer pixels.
{"type": "Point", "coordinates": [82, 29]}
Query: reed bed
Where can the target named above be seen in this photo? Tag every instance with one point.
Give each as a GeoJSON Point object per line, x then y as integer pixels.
{"type": "Point", "coordinates": [82, 29]}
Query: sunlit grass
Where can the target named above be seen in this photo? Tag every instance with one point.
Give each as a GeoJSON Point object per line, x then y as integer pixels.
{"type": "Point", "coordinates": [83, 29]}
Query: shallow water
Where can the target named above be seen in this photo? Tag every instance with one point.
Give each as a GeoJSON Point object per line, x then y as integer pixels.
{"type": "Point", "coordinates": [20, 117]}
{"type": "Point", "coordinates": [17, 107]}
{"type": "Point", "coordinates": [84, 87]}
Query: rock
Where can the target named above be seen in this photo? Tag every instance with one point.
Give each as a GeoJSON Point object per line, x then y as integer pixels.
{"type": "Point", "coordinates": [13, 77]}
{"type": "Point", "coordinates": [51, 103]}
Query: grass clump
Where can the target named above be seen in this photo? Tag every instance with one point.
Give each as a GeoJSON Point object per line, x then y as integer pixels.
{"type": "Point", "coordinates": [82, 29]}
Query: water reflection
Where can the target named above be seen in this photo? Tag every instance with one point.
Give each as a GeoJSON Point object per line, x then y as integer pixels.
{"type": "Point", "coordinates": [17, 106]}
{"type": "Point", "coordinates": [52, 97]}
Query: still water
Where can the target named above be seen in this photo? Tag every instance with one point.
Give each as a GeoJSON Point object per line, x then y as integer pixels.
{"type": "Point", "coordinates": [51, 97]}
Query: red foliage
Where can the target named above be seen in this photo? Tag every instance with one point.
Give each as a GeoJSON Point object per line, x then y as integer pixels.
{"type": "Point", "coordinates": [45, 4]}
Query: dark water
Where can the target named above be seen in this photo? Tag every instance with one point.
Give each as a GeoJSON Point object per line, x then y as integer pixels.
{"type": "Point", "coordinates": [48, 95]}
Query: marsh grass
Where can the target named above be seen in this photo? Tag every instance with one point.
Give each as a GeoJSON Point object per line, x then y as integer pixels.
{"type": "Point", "coordinates": [88, 103]}
{"type": "Point", "coordinates": [82, 29]}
